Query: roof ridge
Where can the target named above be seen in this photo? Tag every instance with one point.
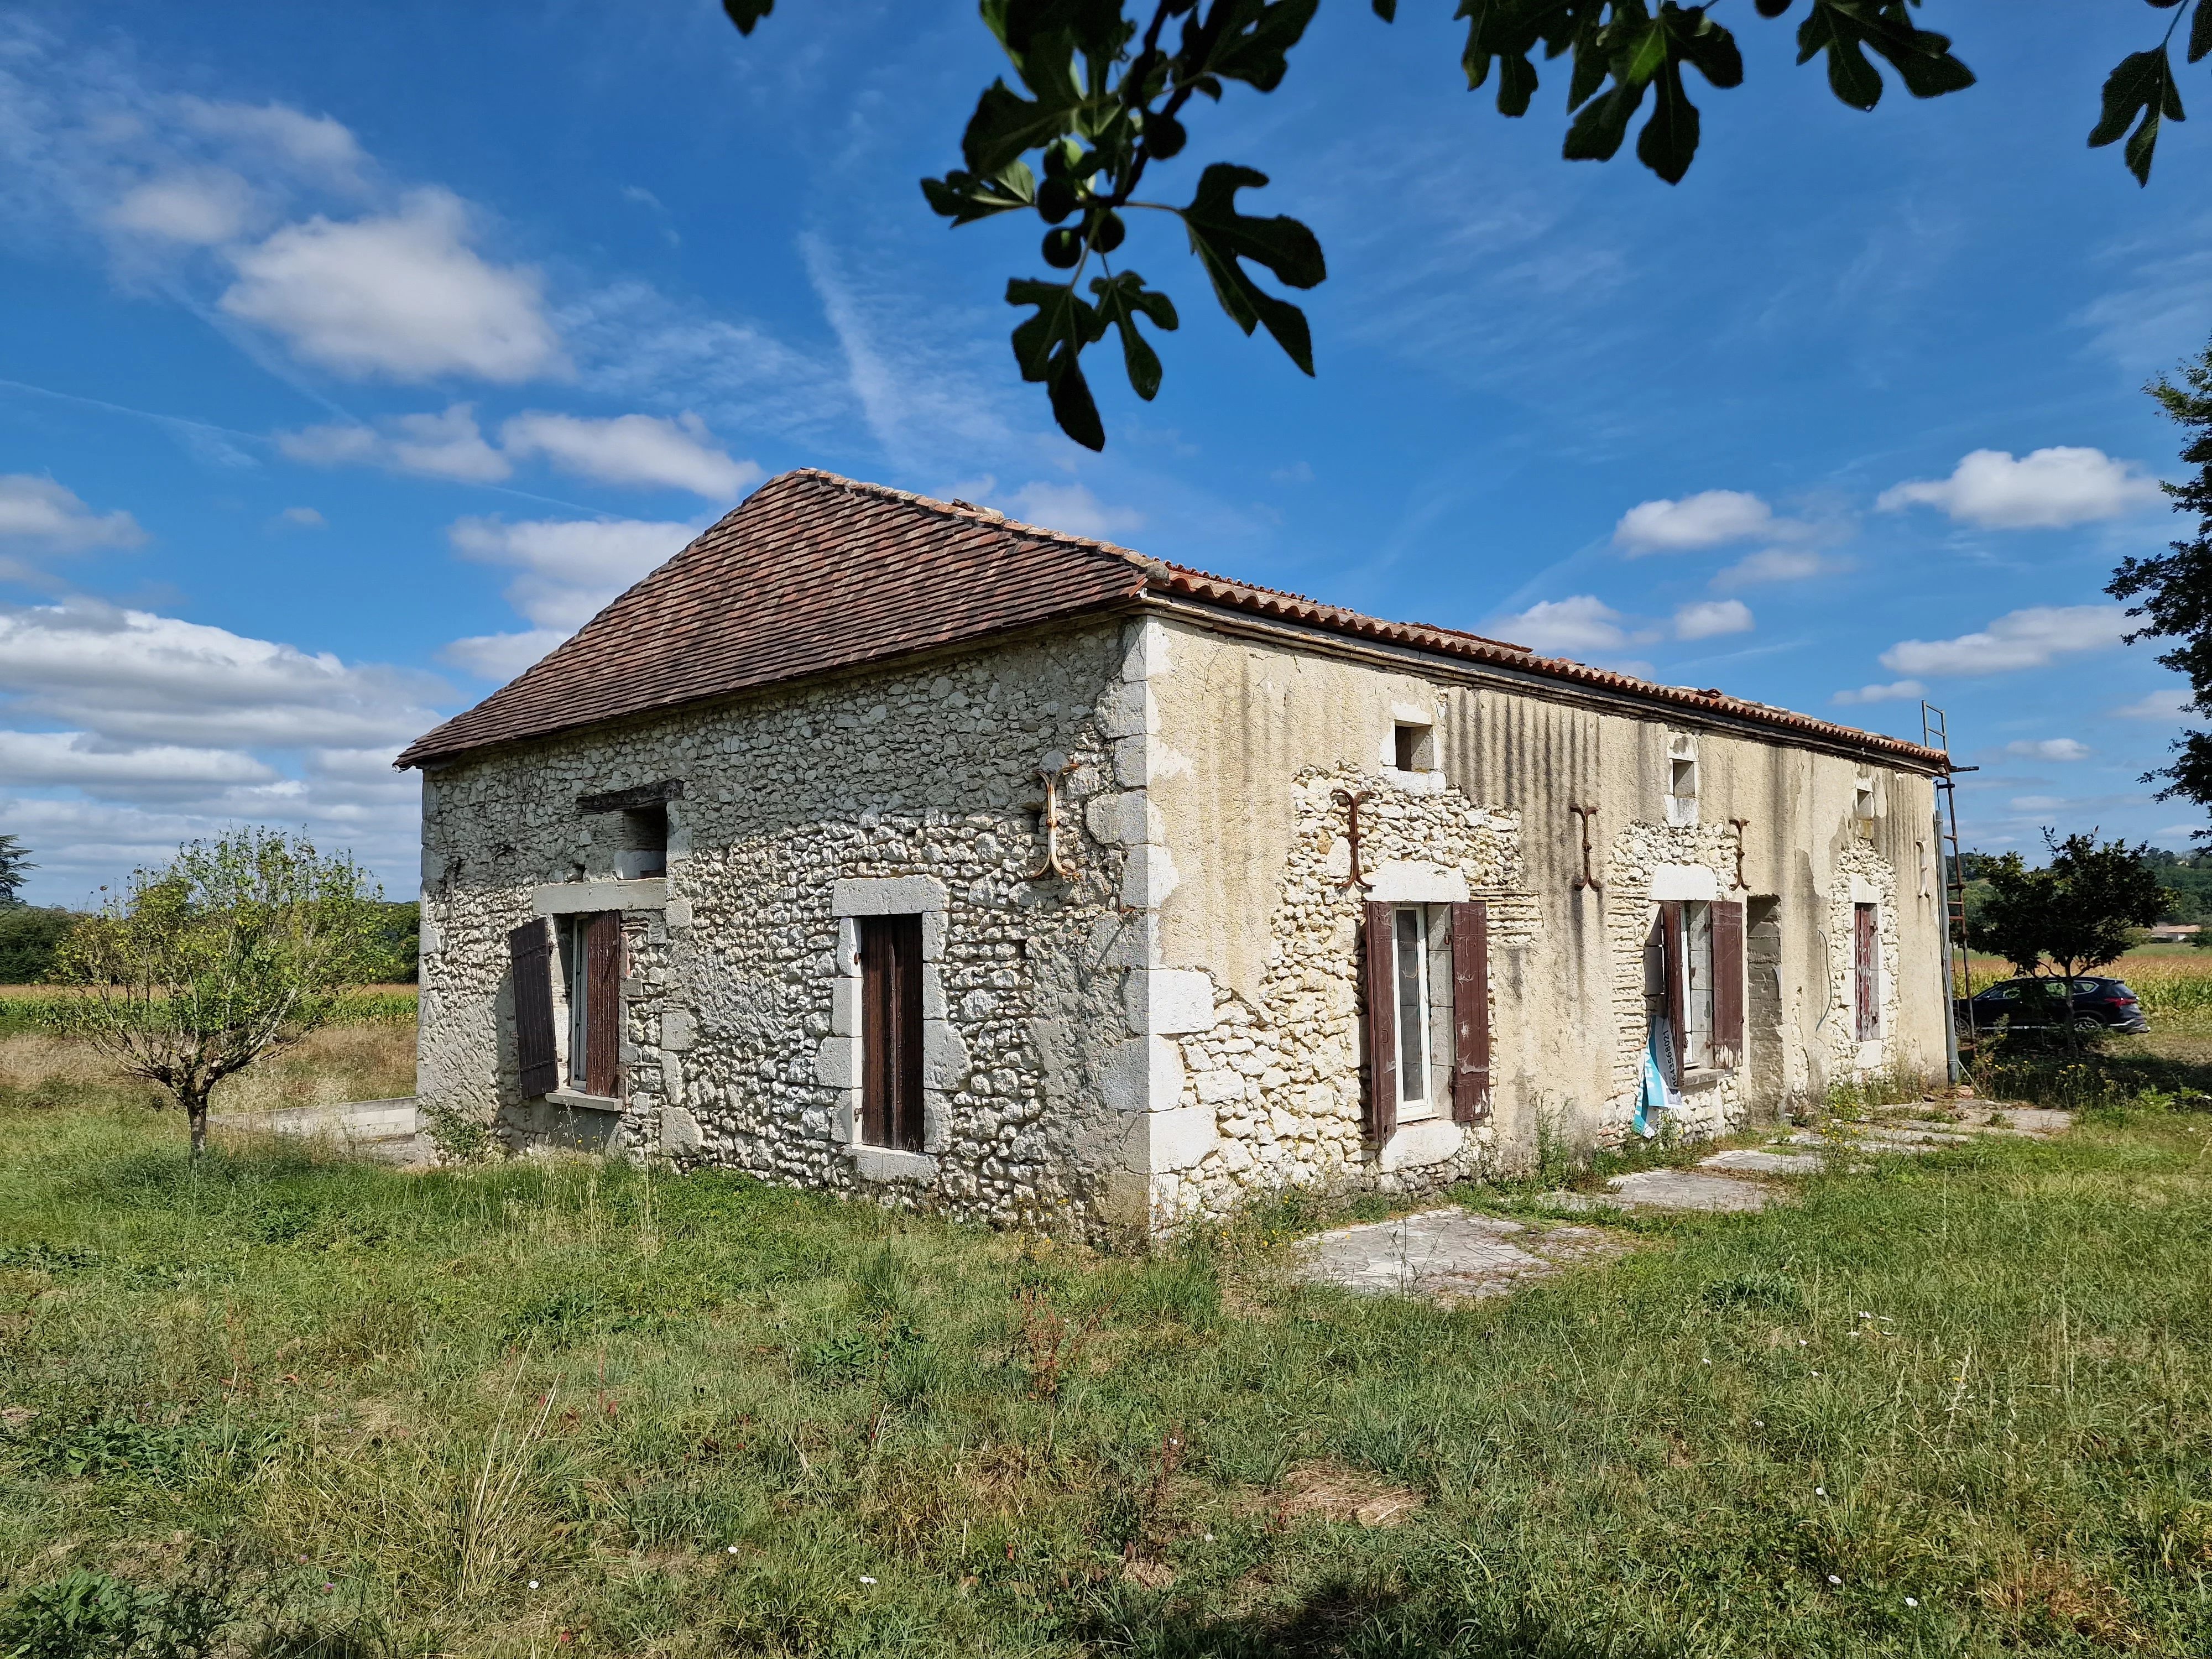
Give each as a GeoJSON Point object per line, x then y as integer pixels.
{"type": "Point", "coordinates": [970, 511]}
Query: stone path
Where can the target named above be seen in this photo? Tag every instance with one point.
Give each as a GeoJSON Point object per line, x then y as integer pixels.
{"type": "Point", "coordinates": [1451, 1255]}
{"type": "Point", "coordinates": [1455, 1255]}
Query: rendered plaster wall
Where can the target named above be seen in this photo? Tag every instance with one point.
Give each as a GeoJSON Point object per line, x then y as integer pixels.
{"type": "Point", "coordinates": [801, 810]}
{"type": "Point", "coordinates": [1253, 742]}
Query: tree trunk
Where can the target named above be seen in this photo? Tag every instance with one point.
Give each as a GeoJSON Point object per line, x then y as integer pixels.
{"type": "Point", "coordinates": [195, 1113]}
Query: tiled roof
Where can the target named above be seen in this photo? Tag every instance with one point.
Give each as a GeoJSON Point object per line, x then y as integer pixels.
{"type": "Point", "coordinates": [813, 572]}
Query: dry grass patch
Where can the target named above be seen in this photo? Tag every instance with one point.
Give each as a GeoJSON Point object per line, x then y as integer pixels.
{"type": "Point", "coordinates": [1330, 1490]}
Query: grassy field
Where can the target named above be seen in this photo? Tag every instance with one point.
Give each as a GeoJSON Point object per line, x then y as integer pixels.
{"type": "Point", "coordinates": [1958, 1405]}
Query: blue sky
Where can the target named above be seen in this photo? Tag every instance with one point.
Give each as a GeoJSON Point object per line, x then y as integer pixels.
{"type": "Point", "coordinates": [354, 354]}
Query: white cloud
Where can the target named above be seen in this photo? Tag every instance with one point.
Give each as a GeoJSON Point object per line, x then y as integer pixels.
{"type": "Point", "coordinates": [1895, 692]}
{"type": "Point", "coordinates": [1581, 623]}
{"type": "Point", "coordinates": [2049, 749]}
{"type": "Point", "coordinates": [570, 568]}
{"type": "Point", "coordinates": [201, 207]}
{"type": "Point", "coordinates": [134, 677]}
{"type": "Point", "coordinates": [448, 446]}
{"type": "Point", "coordinates": [1705, 520]}
{"type": "Point", "coordinates": [633, 449]}
{"type": "Point", "coordinates": [2019, 639]}
{"type": "Point", "coordinates": [501, 656]}
{"type": "Point", "coordinates": [41, 512]}
{"type": "Point", "coordinates": [2039, 803]}
{"type": "Point", "coordinates": [2157, 706]}
{"type": "Point", "coordinates": [2047, 489]}
{"type": "Point", "coordinates": [1776, 564]}
{"type": "Point", "coordinates": [302, 518]}
{"type": "Point", "coordinates": [401, 296]}
{"type": "Point", "coordinates": [315, 144]}
{"type": "Point", "coordinates": [1073, 510]}
{"type": "Point", "coordinates": [36, 759]}
{"type": "Point", "coordinates": [1707, 618]}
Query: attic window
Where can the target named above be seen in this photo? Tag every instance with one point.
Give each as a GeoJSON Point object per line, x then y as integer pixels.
{"type": "Point", "coordinates": [1862, 799]}
{"type": "Point", "coordinates": [644, 848]}
{"type": "Point", "coordinates": [1681, 779]}
{"type": "Point", "coordinates": [1415, 747]}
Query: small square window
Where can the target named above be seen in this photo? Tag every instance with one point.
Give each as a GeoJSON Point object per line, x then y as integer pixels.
{"type": "Point", "coordinates": [1415, 749]}
{"type": "Point", "coordinates": [1681, 779]}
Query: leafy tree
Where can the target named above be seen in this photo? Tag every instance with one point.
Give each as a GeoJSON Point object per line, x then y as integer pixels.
{"type": "Point", "coordinates": [15, 860]}
{"type": "Point", "coordinates": [30, 935]}
{"type": "Point", "coordinates": [235, 948]}
{"type": "Point", "coordinates": [400, 938]}
{"type": "Point", "coordinates": [1106, 89]}
{"type": "Point", "coordinates": [2175, 586]}
{"type": "Point", "coordinates": [2077, 913]}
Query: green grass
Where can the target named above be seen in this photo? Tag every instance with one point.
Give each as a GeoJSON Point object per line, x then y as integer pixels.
{"type": "Point", "coordinates": [34, 1011]}
{"type": "Point", "coordinates": [562, 1407]}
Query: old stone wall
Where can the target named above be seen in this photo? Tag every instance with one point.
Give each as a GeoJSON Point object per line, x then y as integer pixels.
{"type": "Point", "coordinates": [735, 993]}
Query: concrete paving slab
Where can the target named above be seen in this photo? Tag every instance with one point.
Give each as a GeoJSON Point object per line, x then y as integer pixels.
{"type": "Point", "coordinates": [1751, 1160]}
{"type": "Point", "coordinates": [1452, 1254]}
{"type": "Point", "coordinates": [1685, 1189]}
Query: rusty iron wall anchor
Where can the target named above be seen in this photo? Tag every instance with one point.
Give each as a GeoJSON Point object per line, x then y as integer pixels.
{"type": "Point", "coordinates": [1742, 825]}
{"type": "Point", "coordinates": [1584, 815]}
{"type": "Point", "coordinates": [1349, 802]}
{"type": "Point", "coordinates": [1048, 821]}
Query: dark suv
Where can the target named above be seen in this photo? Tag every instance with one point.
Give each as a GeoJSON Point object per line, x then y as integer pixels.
{"type": "Point", "coordinates": [2027, 1005]}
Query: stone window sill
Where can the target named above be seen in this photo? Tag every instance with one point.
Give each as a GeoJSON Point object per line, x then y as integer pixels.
{"type": "Point", "coordinates": [889, 1164]}
{"type": "Point", "coordinates": [582, 1102]}
{"type": "Point", "coordinates": [1696, 1079]}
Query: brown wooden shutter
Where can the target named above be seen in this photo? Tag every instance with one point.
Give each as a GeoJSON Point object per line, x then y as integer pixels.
{"type": "Point", "coordinates": [603, 1005]}
{"type": "Point", "coordinates": [1728, 984]}
{"type": "Point", "coordinates": [530, 953]}
{"type": "Point", "coordinates": [891, 1032]}
{"type": "Point", "coordinates": [1377, 986]}
{"type": "Point", "coordinates": [1470, 949]}
{"type": "Point", "coordinates": [1678, 993]}
{"type": "Point", "coordinates": [1865, 973]}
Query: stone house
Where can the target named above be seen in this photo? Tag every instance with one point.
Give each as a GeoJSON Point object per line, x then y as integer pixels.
{"type": "Point", "coordinates": [884, 845]}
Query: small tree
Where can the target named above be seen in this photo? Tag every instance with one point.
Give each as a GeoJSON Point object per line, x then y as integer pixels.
{"type": "Point", "coordinates": [235, 948]}
{"type": "Point", "coordinates": [2078, 912]}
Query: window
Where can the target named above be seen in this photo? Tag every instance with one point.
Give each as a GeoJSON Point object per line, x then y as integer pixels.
{"type": "Point", "coordinates": [1415, 749]}
{"type": "Point", "coordinates": [644, 848]}
{"type": "Point", "coordinates": [591, 956]}
{"type": "Point", "coordinates": [890, 1031]}
{"type": "Point", "coordinates": [1681, 779]}
{"type": "Point", "coordinates": [1427, 987]}
{"type": "Point", "coordinates": [1698, 983]}
{"type": "Point", "coordinates": [1421, 971]}
{"type": "Point", "coordinates": [1862, 804]}
{"type": "Point", "coordinates": [1866, 972]}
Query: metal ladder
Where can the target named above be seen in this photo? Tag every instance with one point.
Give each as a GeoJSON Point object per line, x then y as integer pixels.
{"type": "Point", "coordinates": [1935, 733]}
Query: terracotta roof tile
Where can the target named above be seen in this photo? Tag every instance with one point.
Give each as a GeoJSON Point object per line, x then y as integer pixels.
{"type": "Point", "coordinates": [814, 573]}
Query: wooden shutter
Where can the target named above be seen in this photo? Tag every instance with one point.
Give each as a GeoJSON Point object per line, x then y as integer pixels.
{"type": "Point", "coordinates": [1865, 973]}
{"type": "Point", "coordinates": [603, 1005]}
{"type": "Point", "coordinates": [1678, 993]}
{"type": "Point", "coordinates": [1470, 949]}
{"type": "Point", "coordinates": [1728, 984]}
{"type": "Point", "coordinates": [1376, 985]}
{"type": "Point", "coordinates": [891, 1032]}
{"type": "Point", "coordinates": [530, 954]}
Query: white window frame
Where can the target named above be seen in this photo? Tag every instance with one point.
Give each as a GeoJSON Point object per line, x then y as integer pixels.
{"type": "Point", "coordinates": [1697, 969]}
{"type": "Point", "coordinates": [1424, 1067]}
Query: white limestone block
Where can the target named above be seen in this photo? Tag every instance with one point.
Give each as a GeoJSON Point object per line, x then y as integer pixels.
{"type": "Point", "coordinates": [1408, 881]}
{"type": "Point", "coordinates": [1684, 881]}
{"type": "Point", "coordinates": [1143, 1074]}
{"type": "Point", "coordinates": [679, 1131]}
{"type": "Point", "coordinates": [837, 1063]}
{"type": "Point", "coordinates": [1123, 818]}
{"type": "Point", "coordinates": [1168, 1001]}
{"type": "Point", "coordinates": [887, 895]}
{"type": "Point", "coordinates": [676, 1029]}
{"type": "Point", "coordinates": [1149, 877]}
{"type": "Point", "coordinates": [1181, 1139]}
{"type": "Point", "coordinates": [1431, 1140]}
